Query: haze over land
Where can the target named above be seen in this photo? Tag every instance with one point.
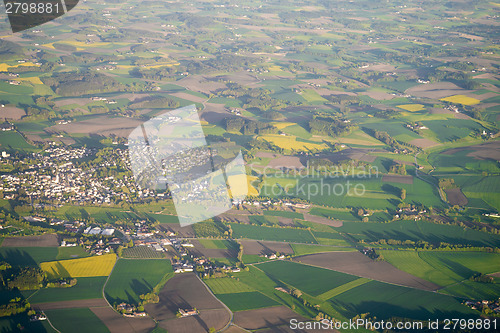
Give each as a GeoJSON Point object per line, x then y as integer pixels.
{"type": "Point", "coordinates": [370, 136]}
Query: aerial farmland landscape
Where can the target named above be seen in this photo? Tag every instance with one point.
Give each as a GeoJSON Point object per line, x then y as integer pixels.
{"type": "Point", "coordinates": [357, 144]}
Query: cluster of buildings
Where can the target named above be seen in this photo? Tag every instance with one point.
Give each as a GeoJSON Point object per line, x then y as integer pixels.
{"type": "Point", "coordinates": [493, 306]}
{"type": "Point", "coordinates": [56, 176]}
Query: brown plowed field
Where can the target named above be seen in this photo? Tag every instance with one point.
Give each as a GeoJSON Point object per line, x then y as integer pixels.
{"type": "Point", "coordinates": [456, 197]}
{"type": "Point", "coordinates": [358, 264]}
{"type": "Point", "coordinates": [216, 318]}
{"type": "Point", "coordinates": [266, 317]}
{"type": "Point", "coordinates": [262, 247]}
{"type": "Point", "coordinates": [322, 220]}
{"type": "Point", "coordinates": [48, 240]}
{"type": "Point", "coordinates": [398, 179]}
{"type": "Point", "coordinates": [117, 323]}
{"type": "Point", "coordinates": [83, 303]}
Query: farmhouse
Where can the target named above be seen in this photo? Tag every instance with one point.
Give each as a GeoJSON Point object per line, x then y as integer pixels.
{"type": "Point", "coordinates": [188, 312]}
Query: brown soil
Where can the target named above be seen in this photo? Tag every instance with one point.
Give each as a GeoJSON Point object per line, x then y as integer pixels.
{"type": "Point", "coordinates": [424, 143]}
{"type": "Point", "coordinates": [266, 317]}
{"type": "Point", "coordinates": [105, 126]}
{"type": "Point", "coordinates": [358, 264]}
{"type": "Point", "coordinates": [398, 179]}
{"type": "Point", "coordinates": [287, 162]}
{"type": "Point", "coordinates": [84, 303]}
{"type": "Point", "coordinates": [456, 197]}
{"type": "Point", "coordinates": [48, 240]}
{"type": "Point", "coordinates": [264, 247]}
{"type": "Point", "coordinates": [322, 220]}
{"type": "Point", "coordinates": [11, 112]}
{"type": "Point", "coordinates": [216, 318]}
{"type": "Point", "coordinates": [117, 323]}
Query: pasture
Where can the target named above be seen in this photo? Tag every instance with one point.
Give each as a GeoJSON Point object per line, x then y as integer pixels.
{"type": "Point", "coordinates": [134, 277]}
{"type": "Point", "coordinates": [71, 252]}
{"type": "Point", "coordinates": [85, 288]}
{"type": "Point", "coordinates": [27, 256]}
{"type": "Point", "coordinates": [227, 285]}
{"type": "Point", "coordinates": [83, 267]}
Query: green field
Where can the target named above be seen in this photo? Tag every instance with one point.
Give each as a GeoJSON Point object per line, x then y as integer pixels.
{"type": "Point", "coordinates": [76, 320]}
{"type": "Point", "coordinates": [227, 286]}
{"type": "Point", "coordinates": [85, 288]}
{"type": "Point", "coordinates": [27, 256]}
{"type": "Point", "coordinates": [246, 301]}
{"type": "Point", "coordinates": [143, 252]}
{"type": "Point", "coordinates": [419, 230]}
{"type": "Point", "coordinates": [312, 280]}
{"type": "Point", "coordinates": [216, 244]}
{"type": "Point", "coordinates": [13, 140]}
{"type": "Point", "coordinates": [133, 277]}
{"type": "Point", "coordinates": [271, 233]}
{"type": "Point", "coordinates": [71, 252]}
{"type": "Point", "coordinates": [253, 258]}
{"type": "Point", "coordinates": [303, 249]}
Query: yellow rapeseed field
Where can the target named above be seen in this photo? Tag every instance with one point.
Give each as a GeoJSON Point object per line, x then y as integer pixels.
{"type": "Point", "coordinates": [412, 107]}
{"type": "Point", "coordinates": [83, 267]}
{"type": "Point", "coordinates": [5, 67]}
{"type": "Point", "coordinates": [461, 99]}
{"type": "Point", "coordinates": [290, 142]}
{"type": "Point", "coordinates": [240, 184]}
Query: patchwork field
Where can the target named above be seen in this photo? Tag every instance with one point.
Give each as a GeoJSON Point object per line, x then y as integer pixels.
{"type": "Point", "coordinates": [461, 99]}
{"type": "Point", "coordinates": [27, 256]}
{"type": "Point", "coordinates": [186, 291]}
{"type": "Point", "coordinates": [83, 267]}
{"type": "Point", "coordinates": [272, 234]}
{"type": "Point", "coordinates": [85, 288]}
{"type": "Point", "coordinates": [358, 264]}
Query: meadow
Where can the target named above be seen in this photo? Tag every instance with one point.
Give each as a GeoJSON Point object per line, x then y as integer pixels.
{"type": "Point", "coordinates": [27, 256]}
{"type": "Point", "coordinates": [227, 286]}
{"type": "Point", "coordinates": [71, 252]}
{"type": "Point", "coordinates": [272, 234]}
{"type": "Point", "coordinates": [83, 267]}
{"type": "Point", "coordinates": [134, 277]}
{"type": "Point", "coordinates": [85, 288]}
